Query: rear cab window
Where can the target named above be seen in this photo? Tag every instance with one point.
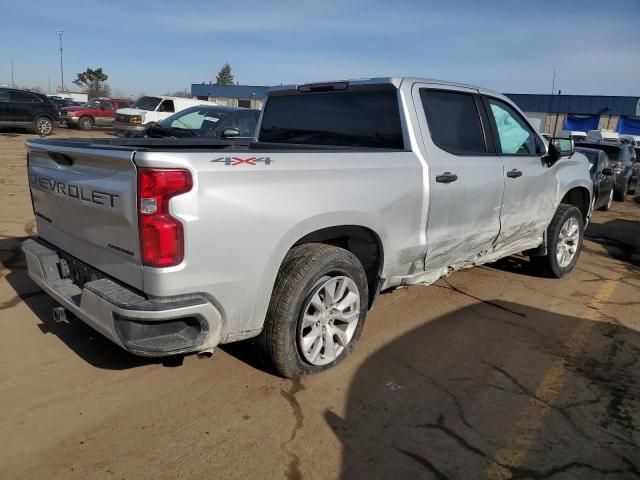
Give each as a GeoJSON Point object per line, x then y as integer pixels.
{"type": "Point", "coordinates": [351, 118]}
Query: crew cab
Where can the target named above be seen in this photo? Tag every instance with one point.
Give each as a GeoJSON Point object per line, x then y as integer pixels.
{"type": "Point", "coordinates": [351, 188]}
{"type": "Point", "coordinates": [149, 110]}
{"type": "Point", "coordinates": [99, 111]}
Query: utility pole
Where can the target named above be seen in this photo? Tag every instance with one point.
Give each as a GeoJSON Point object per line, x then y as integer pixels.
{"type": "Point", "coordinates": [60, 34]}
{"type": "Point", "coordinates": [13, 85]}
{"type": "Point", "coordinates": [49, 79]}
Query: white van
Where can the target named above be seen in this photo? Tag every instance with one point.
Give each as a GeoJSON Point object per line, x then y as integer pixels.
{"type": "Point", "coordinates": [149, 110]}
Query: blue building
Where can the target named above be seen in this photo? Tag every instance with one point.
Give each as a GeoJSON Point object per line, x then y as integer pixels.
{"type": "Point", "coordinates": [553, 113]}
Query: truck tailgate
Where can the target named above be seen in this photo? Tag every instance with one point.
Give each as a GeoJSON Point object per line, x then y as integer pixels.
{"type": "Point", "coordinates": [84, 200]}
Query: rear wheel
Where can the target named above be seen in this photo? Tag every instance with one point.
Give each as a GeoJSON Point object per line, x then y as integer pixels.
{"type": "Point", "coordinates": [564, 242]}
{"type": "Point", "coordinates": [317, 310]}
{"type": "Point", "coordinates": [633, 190]}
{"type": "Point", "coordinates": [43, 126]}
{"type": "Point", "coordinates": [85, 123]}
{"type": "Point", "coordinates": [607, 206]}
{"type": "Point", "coordinates": [620, 196]}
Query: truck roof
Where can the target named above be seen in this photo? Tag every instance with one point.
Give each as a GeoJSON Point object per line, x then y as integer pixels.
{"type": "Point", "coordinates": [395, 81]}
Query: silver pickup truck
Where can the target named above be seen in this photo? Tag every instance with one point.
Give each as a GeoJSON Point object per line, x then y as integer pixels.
{"type": "Point", "coordinates": [350, 188]}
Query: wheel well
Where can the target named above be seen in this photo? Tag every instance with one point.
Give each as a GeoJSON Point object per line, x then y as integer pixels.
{"type": "Point", "coordinates": [43, 115]}
{"type": "Point", "coordinates": [363, 242]}
{"type": "Point", "coordinates": [579, 197]}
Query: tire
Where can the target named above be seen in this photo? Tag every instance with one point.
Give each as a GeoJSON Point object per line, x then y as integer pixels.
{"type": "Point", "coordinates": [632, 191]}
{"type": "Point", "coordinates": [43, 126]}
{"type": "Point", "coordinates": [621, 196]}
{"type": "Point", "coordinates": [607, 206]}
{"type": "Point", "coordinates": [567, 216]}
{"type": "Point", "coordinates": [85, 123]}
{"type": "Point", "coordinates": [287, 343]}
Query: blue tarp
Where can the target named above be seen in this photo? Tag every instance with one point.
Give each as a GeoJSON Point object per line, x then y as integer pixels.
{"type": "Point", "coordinates": [629, 125]}
{"type": "Point", "coordinates": [581, 123]}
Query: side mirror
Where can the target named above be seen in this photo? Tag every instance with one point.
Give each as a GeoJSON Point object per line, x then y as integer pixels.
{"type": "Point", "coordinates": [607, 171]}
{"type": "Point", "coordinates": [230, 133]}
{"type": "Point", "coordinates": [560, 147]}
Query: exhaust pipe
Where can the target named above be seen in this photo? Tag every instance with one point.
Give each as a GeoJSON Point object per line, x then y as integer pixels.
{"type": "Point", "coordinates": [59, 315]}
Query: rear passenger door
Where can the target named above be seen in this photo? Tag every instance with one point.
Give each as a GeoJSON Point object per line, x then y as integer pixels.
{"type": "Point", "coordinates": [465, 175]}
{"type": "Point", "coordinates": [530, 184]}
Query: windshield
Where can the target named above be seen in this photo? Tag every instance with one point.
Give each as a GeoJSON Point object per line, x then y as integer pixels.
{"type": "Point", "coordinates": [195, 118]}
{"type": "Point", "coordinates": [146, 103]}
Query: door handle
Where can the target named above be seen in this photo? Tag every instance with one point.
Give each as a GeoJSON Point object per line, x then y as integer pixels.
{"type": "Point", "coordinates": [447, 177]}
{"type": "Point", "coordinates": [515, 173]}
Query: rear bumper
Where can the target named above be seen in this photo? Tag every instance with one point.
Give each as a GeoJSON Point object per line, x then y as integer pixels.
{"type": "Point", "coordinates": [148, 327]}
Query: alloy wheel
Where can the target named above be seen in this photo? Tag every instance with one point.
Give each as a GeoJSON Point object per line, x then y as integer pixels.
{"type": "Point", "coordinates": [328, 320]}
{"type": "Point", "coordinates": [568, 240]}
{"type": "Point", "coordinates": [44, 126]}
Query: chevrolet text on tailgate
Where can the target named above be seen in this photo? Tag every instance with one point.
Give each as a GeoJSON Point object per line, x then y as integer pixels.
{"type": "Point", "coordinates": [173, 246]}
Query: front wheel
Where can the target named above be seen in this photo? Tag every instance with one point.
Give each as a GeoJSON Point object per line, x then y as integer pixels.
{"type": "Point", "coordinates": [564, 242]}
{"type": "Point", "coordinates": [317, 310]}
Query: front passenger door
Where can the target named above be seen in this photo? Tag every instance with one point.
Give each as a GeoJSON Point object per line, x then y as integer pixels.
{"type": "Point", "coordinates": [529, 183]}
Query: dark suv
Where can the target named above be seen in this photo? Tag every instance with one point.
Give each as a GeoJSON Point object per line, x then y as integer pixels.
{"type": "Point", "coordinates": [624, 163]}
{"type": "Point", "coordinates": [20, 108]}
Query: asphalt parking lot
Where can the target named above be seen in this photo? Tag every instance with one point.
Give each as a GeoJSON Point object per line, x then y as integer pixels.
{"type": "Point", "coordinates": [493, 372]}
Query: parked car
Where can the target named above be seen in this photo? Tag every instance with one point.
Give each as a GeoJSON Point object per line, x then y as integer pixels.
{"type": "Point", "coordinates": [220, 122]}
{"type": "Point", "coordinates": [625, 165]}
{"type": "Point", "coordinates": [351, 188]}
{"type": "Point", "coordinates": [149, 110]}
{"type": "Point", "coordinates": [602, 177]}
{"type": "Point", "coordinates": [25, 109]}
{"type": "Point", "coordinates": [99, 111]}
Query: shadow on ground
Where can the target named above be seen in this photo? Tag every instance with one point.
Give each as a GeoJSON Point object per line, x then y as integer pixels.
{"type": "Point", "coordinates": [619, 237]}
{"type": "Point", "coordinates": [82, 339]}
{"type": "Point", "coordinates": [493, 391]}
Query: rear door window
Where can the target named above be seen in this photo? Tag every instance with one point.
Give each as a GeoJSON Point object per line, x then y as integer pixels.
{"type": "Point", "coordinates": [23, 97]}
{"type": "Point", "coordinates": [514, 134]}
{"type": "Point", "coordinates": [349, 118]}
{"type": "Point", "coordinates": [454, 121]}
{"type": "Point", "coordinates": [107, 105]}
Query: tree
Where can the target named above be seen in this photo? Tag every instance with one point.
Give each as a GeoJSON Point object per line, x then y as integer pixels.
{"type": "Point", "coordinates": [225, 77]}
{"type": "Point", "coordinates": [93, 83]}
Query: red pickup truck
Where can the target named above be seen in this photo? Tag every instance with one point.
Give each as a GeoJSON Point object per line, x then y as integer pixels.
{"type": "Point", "coordinates": [98, 111]}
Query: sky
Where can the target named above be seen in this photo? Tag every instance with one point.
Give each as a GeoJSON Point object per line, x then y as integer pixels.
{"type": "Point", "coordinates": [158, 46]}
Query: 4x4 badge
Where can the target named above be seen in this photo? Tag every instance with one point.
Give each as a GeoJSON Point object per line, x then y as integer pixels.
{"type": "Point", "coordinates": [233, 161]}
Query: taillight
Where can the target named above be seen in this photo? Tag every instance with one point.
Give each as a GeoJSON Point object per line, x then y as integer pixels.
{"type": "Point", "coordinates": [161, 235]}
